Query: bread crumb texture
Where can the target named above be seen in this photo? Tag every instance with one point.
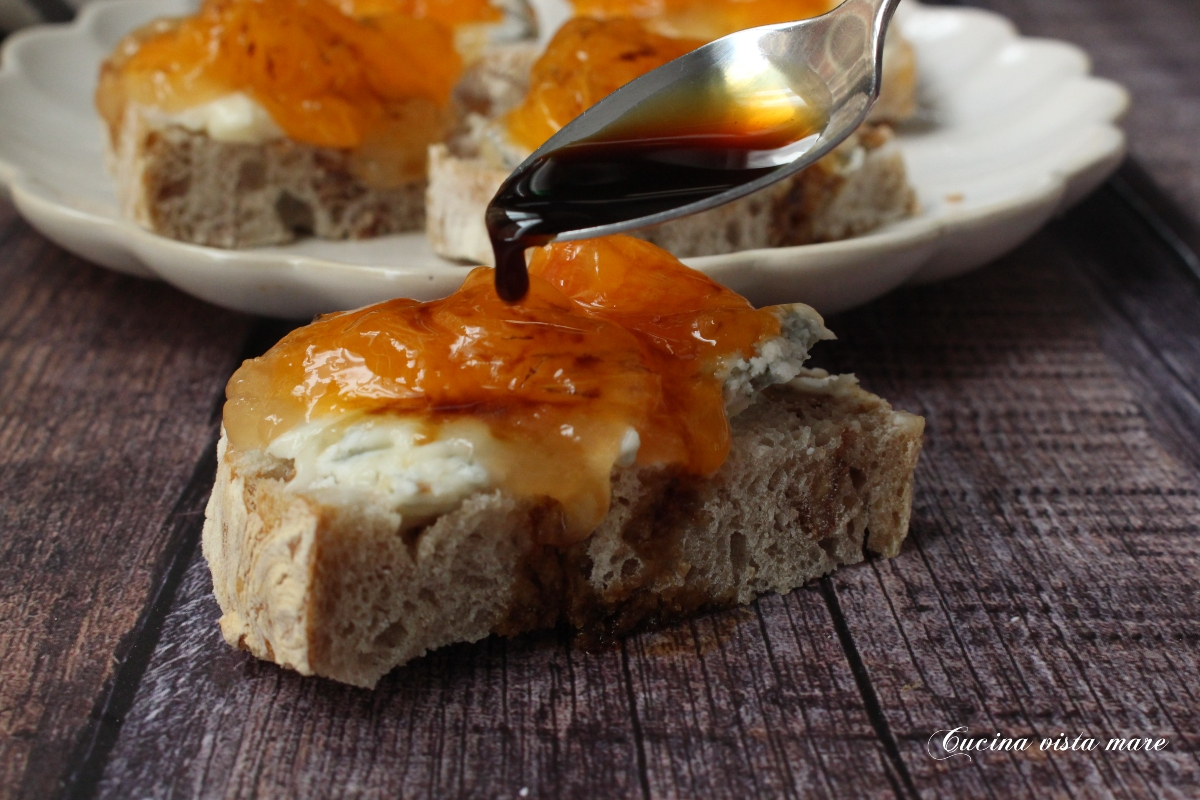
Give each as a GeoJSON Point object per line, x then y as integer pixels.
{"type": "Point", "coordinates": [819, 472]}
{"type": "Point", "coordinates": [187, 186]}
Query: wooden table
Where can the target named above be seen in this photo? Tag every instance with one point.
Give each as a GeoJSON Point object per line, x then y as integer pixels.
{"type": "Point", "coordinates": [1050, 584]}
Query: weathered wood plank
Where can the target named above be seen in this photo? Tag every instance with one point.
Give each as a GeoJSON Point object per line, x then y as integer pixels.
{"type": "Point", "coordinates": [722, 710]}
{"type": "Point", "coordinates": [1143, 283]}
{"type": "Point", "coordinates": [109, 385]}
{"type": "Point", "coordinates": [1051, 581]}
{"type": "Point", "coordinates": [757, 702]}
{"type": "Point", "coordinates": [473, 720]}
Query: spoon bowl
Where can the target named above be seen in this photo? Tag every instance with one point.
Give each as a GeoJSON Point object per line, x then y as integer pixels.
{"type": "Point", "coordinates": [721, 122]}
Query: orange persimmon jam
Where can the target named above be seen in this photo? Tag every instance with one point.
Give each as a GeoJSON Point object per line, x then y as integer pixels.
{"type": "Point", "coordinates": [374, 75]}
{"type": "Point", "coordinates": [587, 60]}
{"type": "Point", "coordinates": [614, 334]}
{"type": "Point", "coordinates": [704, 19]}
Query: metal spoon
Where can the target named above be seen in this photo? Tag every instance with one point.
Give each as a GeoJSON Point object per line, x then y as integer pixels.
{"type": "Point", "coordinates": [832, 63]}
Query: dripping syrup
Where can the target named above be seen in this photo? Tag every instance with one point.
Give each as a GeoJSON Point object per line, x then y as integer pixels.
{"type": "Point", "coordinates": [682, 146]}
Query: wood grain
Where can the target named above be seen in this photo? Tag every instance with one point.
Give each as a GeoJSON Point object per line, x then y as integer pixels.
{"type": "Point", "coordinates": [108, 387]}
{"type": "Point", "coordinates": [1051, 579]}
{"type": "Point", "coordinates": [483, 720]}
{"type": "Point", "coordinates": [758, 702]}
{"type": "Point", "coordinates": [721, 710]}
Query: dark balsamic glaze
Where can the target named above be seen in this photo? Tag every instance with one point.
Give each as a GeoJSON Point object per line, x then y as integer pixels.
{"type": "Point", "coordinates": [683, 148]}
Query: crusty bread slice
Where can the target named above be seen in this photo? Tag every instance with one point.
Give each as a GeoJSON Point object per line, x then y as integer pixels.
{"type": "Point", "coordinates": [819, 472]}
{"type": "Point", "coordinates": [855, 189]}
{"type": "Point", "coordinates": [181, 183]}
{"type": "Point", "coordinates": [185, 185]}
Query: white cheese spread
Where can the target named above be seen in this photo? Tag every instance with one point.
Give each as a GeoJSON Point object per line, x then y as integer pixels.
{"type": "Point", "coordinates": [397, 465]}
{"type": "Point", "coordinates": [235, 117]}
{"type": "Point", "coordinates": [415, 472]}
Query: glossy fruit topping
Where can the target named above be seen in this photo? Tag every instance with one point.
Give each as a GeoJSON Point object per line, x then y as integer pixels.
{"type": "Point", "coordinates": [587, 60]}
{"type": "Point", "coordinates": [374, 74]}
{"type": "Point", "coordinates": [614, 334]}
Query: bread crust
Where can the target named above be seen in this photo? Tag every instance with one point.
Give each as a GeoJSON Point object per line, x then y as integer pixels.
{"type": "Point", "coordinates": [819, 472]}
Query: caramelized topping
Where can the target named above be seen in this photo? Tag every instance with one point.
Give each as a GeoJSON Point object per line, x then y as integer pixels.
{"type": "Point", "coordinates": [704, 19]}
{"type": "Point", "coordinates": [613, 334]}
{"type": "Point", "coordinates": [587, 60]}
{"type": "Point", "coordinates": [369, 74]}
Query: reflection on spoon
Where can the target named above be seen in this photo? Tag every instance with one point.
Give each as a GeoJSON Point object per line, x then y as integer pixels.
{"type": "Point", "coordinates": [718, 123]}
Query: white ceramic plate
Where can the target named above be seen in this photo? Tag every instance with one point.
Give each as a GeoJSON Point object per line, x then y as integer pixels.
{"type": "Point", "coordinates": [1014, 130]}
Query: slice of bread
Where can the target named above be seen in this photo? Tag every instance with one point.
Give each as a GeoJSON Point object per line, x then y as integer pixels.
{"type": "Point", "coordinates": [188, 186]}
{"type": "Point", "coordinates": [819, 472]}
{"type": "Point", "coordinates": [178, 181]}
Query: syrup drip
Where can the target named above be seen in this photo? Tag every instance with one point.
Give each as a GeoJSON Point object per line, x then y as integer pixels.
{"type": "Point", "coordinates": [689, 144]}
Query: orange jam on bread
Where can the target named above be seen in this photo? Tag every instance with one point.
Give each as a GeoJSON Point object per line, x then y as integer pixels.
{"type": "Point", "coordinates": [587, 60]}
{"type": "Point", "coordinates": [704, 19]}
{"type": "Point", "coordinates": [614, 334]}
{"type": "Point", "coordinates": [369, 75]}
